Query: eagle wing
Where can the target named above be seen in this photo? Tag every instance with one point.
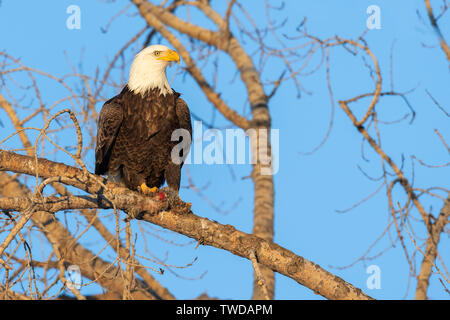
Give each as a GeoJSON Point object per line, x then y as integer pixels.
{"type": "Point", "coordinates": [184, 119]}
{"type": "Point", "coordinates": [173, 169]}
{"type": "Point", "coordinates": [109, 122]}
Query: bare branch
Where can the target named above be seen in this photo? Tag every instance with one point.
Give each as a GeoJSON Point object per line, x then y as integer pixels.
{"type": "Point", "coordinates": [436, 28]}
{"type": "Point", "coordinates": [203, 230]}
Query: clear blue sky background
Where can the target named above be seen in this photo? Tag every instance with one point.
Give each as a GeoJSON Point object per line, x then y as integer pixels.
{"type": "Point", "coordinates": [309, 189]}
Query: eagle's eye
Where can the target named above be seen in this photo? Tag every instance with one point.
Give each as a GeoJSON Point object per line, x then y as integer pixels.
{"type": "Point", "coordinates": [157, 53]}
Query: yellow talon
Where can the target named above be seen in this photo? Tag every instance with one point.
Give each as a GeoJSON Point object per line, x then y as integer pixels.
{"type": "Point", "coordinates": [146, 190]}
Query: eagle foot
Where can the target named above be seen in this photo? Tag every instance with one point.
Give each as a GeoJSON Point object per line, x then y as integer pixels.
{"type": "Point", "coordinates": [146, 190]}
{"type": "Point", "coordinates": [175, 203]}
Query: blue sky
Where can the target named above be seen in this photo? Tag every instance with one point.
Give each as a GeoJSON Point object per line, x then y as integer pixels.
{"type": "Point", "coordinates": [309, 188]}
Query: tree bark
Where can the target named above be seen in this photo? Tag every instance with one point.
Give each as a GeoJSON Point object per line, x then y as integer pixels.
{"type": "Point", "coordinates": [431, 251]}
{"type": "Point", "coordinates": [203, 230]}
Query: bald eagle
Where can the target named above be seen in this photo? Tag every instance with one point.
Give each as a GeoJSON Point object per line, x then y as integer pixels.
{"type": "Point", "coordinates": [135, 127]}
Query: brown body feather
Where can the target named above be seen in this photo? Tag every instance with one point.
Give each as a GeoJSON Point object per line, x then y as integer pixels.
{"type": "Point", "coordinates": [134, 138]}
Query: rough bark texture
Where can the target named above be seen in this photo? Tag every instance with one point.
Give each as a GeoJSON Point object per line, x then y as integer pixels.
{"type": "Point", "coordinates": [92, 266]}
{"type": "Point", "coordinates": [181, 220]}
{"type": "Point", "coordinates": [431, 251]}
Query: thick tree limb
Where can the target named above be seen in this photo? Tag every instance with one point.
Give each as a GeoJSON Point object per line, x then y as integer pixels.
{"type": "Point", "coordinates": [431, 251]}
{"type": "Point", "coordinates": [203, 230]}
{"type": "Point", "coordinates": [91, 266]}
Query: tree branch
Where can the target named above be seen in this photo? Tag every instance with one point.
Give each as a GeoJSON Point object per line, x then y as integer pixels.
{"type": "Point", "coordinates": [91, 266]}
{"type": "Point", "coordinates": [203, 230]}
{"type": "Point", "coordinates": [431, 251]}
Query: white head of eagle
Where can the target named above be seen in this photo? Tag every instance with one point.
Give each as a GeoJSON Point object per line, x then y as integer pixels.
{"type": "Point", "coordinates": [148, 70]}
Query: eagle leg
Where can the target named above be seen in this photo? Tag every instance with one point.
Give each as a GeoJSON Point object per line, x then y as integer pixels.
{"type": "Point", "coordinates": [146, 190]}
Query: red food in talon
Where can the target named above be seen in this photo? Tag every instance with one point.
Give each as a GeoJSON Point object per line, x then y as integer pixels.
{"type": "Point", "coordinates": [162, 196]}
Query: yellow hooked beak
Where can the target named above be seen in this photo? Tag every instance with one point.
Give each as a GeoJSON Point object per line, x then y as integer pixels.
{"type": "Point", "coordinates": [169, 55]}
